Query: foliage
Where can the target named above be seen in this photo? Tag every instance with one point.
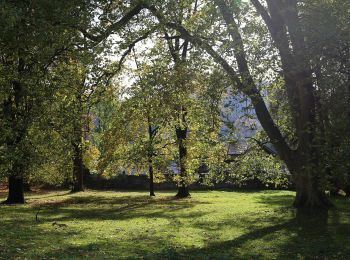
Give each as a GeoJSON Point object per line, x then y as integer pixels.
{"type": "Point", "coordinates": [111, 82]}
{"type": "Point", "coordinates": [32, 41]}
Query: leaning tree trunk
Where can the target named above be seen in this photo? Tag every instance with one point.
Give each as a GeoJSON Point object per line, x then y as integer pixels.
{"type": "Point", "coordinates": [282, 21]}
{"type": "Point", "coordinates": [78, 168]}
{"type": "Point", "coordinates": [181, 135]}
{"type": "Point", "coordinates": [16, 191]}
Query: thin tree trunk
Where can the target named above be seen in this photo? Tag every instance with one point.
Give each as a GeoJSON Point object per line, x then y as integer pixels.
{"type": "Point", "coordinates": [151, 135]}
{"type": "Point", "coordinates": [179, 55]}
{"type": "Point", "coordinates": [78, 169]}
{"type": "Point", "coordinates": [151, 184]}
{"type": "Point", "coordinates": [16, 191]}
{"type": "Point", "coordinates": [181, 135]}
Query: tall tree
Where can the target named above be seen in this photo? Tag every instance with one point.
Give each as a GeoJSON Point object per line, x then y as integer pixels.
{"type": "Point", "coordinates": [327, 33]}
{"type": "Point", "coordinates": [31, 40]}
{"type": "Point", "coordinates": [81, 81]}
{"type": "Point", "coordinates": [282, 19]}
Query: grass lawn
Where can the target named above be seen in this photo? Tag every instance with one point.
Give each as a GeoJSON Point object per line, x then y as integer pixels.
{"type": "Point", "coordinates": [131, 225]}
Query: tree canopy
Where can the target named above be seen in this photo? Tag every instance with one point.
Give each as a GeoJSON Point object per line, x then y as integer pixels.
{"type": "Point", "coordinates": [141, 87]}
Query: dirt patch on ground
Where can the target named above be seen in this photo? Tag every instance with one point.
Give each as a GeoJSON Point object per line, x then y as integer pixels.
{"type": "Point", "coordinates": [48, 203]}
{"type": "Point", "coordinates": [3, 190]}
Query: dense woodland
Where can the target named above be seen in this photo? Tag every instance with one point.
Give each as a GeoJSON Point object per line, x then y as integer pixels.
{"type": "Point", "coordinates": [139, 87]}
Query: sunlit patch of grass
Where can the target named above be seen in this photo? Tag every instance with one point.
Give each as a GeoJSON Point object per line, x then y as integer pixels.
{"type": "Point", "coordinates": [210, 225]}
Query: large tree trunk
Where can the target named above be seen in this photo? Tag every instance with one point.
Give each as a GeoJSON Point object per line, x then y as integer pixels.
{"type": "Point", "coordinates": [78, 169]}
{"type": "Point", "coordinates": [309, 196]}
{"type": "Point", "coordinates": [181, 135]}
{"type": "Point", "coordinates": [16, 193]}
{"type": "Point", "coordinates": [183, 191]}
{"type": "Point", "coordinates": [16, 116]}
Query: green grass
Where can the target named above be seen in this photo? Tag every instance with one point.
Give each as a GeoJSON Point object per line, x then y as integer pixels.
{"type": "Point", "coordinates": [131, 225]}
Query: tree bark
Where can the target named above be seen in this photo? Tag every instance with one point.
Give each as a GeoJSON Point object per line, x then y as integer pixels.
{"type": "Point", "coordinates": [78, 169]}
{"type": "Point", "coordinates": [16, 115]}
{"type": "Point", "coordinates": [181, 135]}
{"type": "Point", "coordinates": [309, 197]}
{"type": "Point", "coordinates": [179, 54]}
{"type": "Point", "coordinates": [16, 191]}
{"type": "Point", "coordinates": [183, 192]}
{"type": "Point", "coordinates": [151, 184]}
{"type": "Point", "coordinates": [152, 132]}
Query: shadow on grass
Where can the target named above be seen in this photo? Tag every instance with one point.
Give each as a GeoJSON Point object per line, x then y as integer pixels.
{"type": "Point", "coordinates": [321, 235]}
{"type": "Point", "coordinates": [280, 200]}
{"type": "Point", "coordinates": [39, 195]}
{"type": "Point", "coordinates": [306, 238]}
{"type": "Point", "coordinates": [115, 208]}
{"type": "Point", "coordinates": [20, 234]}
{"type": "Point", "coordinates": [281, 233]}
{"type": "Point", "coordinates": [295, 234]}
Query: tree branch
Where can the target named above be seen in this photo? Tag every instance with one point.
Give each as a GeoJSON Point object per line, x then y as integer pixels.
{"type": "Point", "coordinates": [115, 26]}
{"type": "Point", "coordinates": [264, 147]}
{"type": "Point", "coordinates": [132, 45]}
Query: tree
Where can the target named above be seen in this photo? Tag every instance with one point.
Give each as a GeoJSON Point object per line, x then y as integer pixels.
{"type": "Point", "coordinates": [328, 44]}
{"type": "Point", "coordinates": [122, 15]}
{"type": "Point", "coordinates": [282, 19]}
{"type": "Point", "coordinates": [134, 135]}
{"type": "Point", "coordinates": [27, 55]}
{"type": "Point", "coordinates": [142, 133]}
